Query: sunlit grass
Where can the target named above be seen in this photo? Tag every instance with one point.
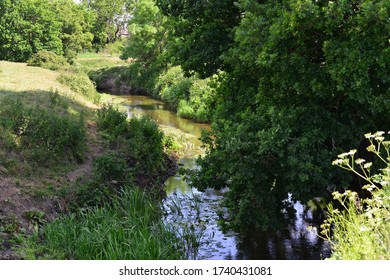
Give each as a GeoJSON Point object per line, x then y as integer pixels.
{"type": "Point", "coordinates": [18, 77]}
{"type": "Point", "coordinates": [33, 81]}
{"type": "Point", "coordinates": [94, 61]}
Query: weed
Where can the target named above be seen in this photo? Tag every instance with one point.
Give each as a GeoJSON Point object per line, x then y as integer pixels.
{"type": "Point", "coordinates": [360, 229]}
{"type": "Point", "coordinates": [40, 135]}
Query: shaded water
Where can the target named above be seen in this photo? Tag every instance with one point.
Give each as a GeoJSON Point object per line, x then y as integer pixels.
{"type": "Point", "coordinates": [198, 211]}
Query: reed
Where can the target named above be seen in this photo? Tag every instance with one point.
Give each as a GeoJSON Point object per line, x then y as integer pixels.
{"type": "Point", "coordinates": [129, 228]}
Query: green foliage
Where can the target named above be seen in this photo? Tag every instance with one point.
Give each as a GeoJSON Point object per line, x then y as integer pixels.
{"type": "Point", "coordinates": [110, 174]}
{"type": "Point", "coordinates": [359, 228]}
{"type": "Point", "coordinates": [111, 168]}
{"type": "Point", "coordinates": [110, 20]}
{"type": "Point", "coordinates": [114, 48]}
{"type": "Point", "coordinates": [192, 97]}
{"type": "Point", "coordinates": [140, 140]}
{"type": "Point", "coordinates": [144, 144]}
{"type": "Point", "coordinates": [146, 48]}
{"type": "Point", "coordinates": [76, 23]}
{"type": "Point", "coordinates": [41, 135]}
{"type": "Point", "coordinates": [80, 83]}
{"type": "Point", "coordinates": [305, 81]}
{"type": "Point", "coordinates": [48, 60]}
{"type": "Point", "coordinates": [147, 31]}
{"type": "Point", "coordinates": [201, 32]}
{"type": "Point", "coordinates": [27, 27]}
{"type": "Point", "coordinates": [130, 228]}
{"type": "Point", "coordinates": [111, 123]}
{"type": "Point", "coordinates": [170, 145]}
{"type": "Point", "coordinates": [201, 100]}
{"type": "Point", "coordinates": [173, 86]}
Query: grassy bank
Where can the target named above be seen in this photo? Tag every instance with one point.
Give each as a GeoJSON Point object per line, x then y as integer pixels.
{"type": "Point", "coordinates": [66, 164]}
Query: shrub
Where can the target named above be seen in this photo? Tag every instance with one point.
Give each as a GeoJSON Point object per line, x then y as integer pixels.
{"type": "Point", "coordinates": [49, 60]}
{"type": "Point", "coordinates": [170, 145]}
{"type": "Point", "coordinates": [145, 144]}
{"type": "Point", "coordinates": [111, 123]}
{"type": "Point", "coordinates": [80, 83]}
{"type": "Point", "coordinates": [114, 48]}
{"type": "Point", "coordinates": [41, 135]}
{"type": "Point", "coordinates": [111, 168]}
{"type": "Point", "coordinates": [361, 228]}
{"type": "Point", "coordinates": [172, 86]}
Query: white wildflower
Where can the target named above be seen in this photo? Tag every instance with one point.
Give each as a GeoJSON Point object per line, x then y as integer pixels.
{"type": "Point", "coordinates": [359, 161]}
{"type": "Point", "coordinates": [367, 165]}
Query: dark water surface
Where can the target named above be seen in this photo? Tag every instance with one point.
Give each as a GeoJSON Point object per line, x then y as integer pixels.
{"type": "Point", "coordinates": [198, 211]}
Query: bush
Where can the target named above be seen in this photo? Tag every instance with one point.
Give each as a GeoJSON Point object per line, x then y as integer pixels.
{"type": "Point", "coordinates": [145, 144]}
{"type": "Point", "coordinates": [81, 84]}
{"type": "Point", "coordinates": [41, 135]}
{"type": "Point", "coordinates": [111, 123]}
{"type": "Point", "coordinates": [114, 48]}
{"type": "Point", "coordinates": [110, 174]}
{"type": "Point", "coordinates": [111, 168]}
{"type": "Point", "coordinates": [172, 86]}
{"type": "Point", "coordinates": [361, 230]}
{"type": "Point", "coordinates": [140, 139]}
{"type": "Point", "coordinates": [48, 60]}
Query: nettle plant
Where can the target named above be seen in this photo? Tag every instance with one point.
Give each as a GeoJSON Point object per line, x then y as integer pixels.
{"type": "Point", "coordinates": [360, 228]}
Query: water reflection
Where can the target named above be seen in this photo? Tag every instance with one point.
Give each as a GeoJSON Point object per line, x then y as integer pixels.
{"type": "Point", "coordinates": [200, 210]}
{"type": "Point", "coordinates": [143, 105]}
{"type": "Point", "coordinates": [295, 242]}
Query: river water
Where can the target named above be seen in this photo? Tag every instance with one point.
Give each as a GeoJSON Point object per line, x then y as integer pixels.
{"type": "Point", "coordinates": [196, 213]}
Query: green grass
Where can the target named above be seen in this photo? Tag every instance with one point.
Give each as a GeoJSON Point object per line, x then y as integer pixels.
{"type": "Point", "coordinates": [88, 62]}
{"type": "Point", "coordinates": [130, 228]}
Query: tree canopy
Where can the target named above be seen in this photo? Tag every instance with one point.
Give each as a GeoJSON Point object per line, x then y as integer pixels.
{"type": "Point", "coordinates": [27, 27]}
{"type": "Point", "coordinates": [307, 80]}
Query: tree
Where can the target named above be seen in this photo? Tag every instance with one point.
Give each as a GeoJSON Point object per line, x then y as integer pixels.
{"type": "Point", "coordinates": [306, 80]}
{"type": "Point", "coordinates": [76, 24]}
{"type": "Point", "coordinates": [202, 32]}
{"type": "Point", "coordinates": [147, 32]}
{"type": "Point", "coordinates": [111, 19]}
{"type": "Point", "coordinates": [27, 27]}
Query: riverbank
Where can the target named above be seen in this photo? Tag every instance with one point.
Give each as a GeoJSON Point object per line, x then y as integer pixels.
{"type": "Point", "coordinates": [42, 174]}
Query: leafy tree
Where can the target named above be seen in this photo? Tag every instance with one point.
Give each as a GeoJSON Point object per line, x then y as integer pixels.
{"type": "Point", "coordinates": [202, 32]}
{"type": "Point", "coordinates": [307, 79]}
{"type": "Point", "coordinates": [111, 19]}
{"type": "Point", "coordinates": [26, 27]}
{"type": "Point", "coordinates": [76, 25]}
{"type": "Point", "coordinates": [147, 30]}
{"type": "Point", "coordinates": [146, 45]}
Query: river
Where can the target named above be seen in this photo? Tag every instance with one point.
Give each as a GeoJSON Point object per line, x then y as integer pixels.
{"type": "Point", "coordinates": [197, 212]}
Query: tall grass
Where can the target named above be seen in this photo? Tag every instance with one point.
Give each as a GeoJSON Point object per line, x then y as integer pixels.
{"type": "Point", "coordinates": [130, 228]}
{"type": "Point", "coordinates": [361, 228]}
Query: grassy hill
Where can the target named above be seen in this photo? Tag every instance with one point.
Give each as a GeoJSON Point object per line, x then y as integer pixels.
{"type": "Point", "coordinates": [34, 105]}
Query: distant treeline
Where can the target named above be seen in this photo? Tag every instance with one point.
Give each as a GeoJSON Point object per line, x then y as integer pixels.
{"type": "Point", "coordinates": [61, 26]}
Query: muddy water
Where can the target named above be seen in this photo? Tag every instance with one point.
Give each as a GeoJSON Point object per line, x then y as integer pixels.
{"type": "Point", "coordinates": [197, 212]}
